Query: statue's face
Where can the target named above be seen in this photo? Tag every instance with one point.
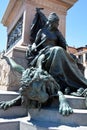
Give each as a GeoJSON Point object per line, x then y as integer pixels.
{"type": "Point", "coordinates": [53, 24]}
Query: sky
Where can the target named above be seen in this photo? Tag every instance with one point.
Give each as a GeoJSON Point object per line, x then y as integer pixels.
{"type": "Point", "coordinates": [76, 24]}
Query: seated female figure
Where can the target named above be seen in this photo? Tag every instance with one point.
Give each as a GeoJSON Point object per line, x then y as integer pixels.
{"type": "Point", "coordinates": [58, 63]}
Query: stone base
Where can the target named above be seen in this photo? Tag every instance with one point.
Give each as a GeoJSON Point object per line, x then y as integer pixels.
{"type": "Point", "coordinates": [18, 54]}
{"type": "Point", "coordinates": [24, 124]}
{"type": "Point", "coordinates": [13, 112]}
{"type": "Point", "coordinates": [78, 118]}
{"type": "Point", "coordinates": [8, 95]}
{"type": "Point", "coordinates": [16, 118]}
{"type": "Point", "coordinates": [10, 79]}
{"type": "Point", "coordinates": [43, 125]}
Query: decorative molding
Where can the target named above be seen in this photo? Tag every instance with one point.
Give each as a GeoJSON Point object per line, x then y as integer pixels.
{"type": "Point", "coordinates": [16, 33]}
{"type": "Point", "coordinates": [48, 4]}
{"type": "Point", "coordinates": [8, 11]}
{"type": "Point", "coordinates": [54, 5]}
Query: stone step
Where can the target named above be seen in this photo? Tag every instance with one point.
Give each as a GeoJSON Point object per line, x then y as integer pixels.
{"type": "Point", "coordinates": [75, 102]}
{"type": "Point", "coordinates": [45, 119]}
{"type": "Point", "coordinates": [9, 125]}
{"type": "Point", "coordinates": [79, 116]}
{"type": "Point", "coordinates": [13, 112]}
{"type": "Point", "coordinates": [12, 123]}
{"type": "Point", "coordinates": [7, 95]}
{"type": "Point", "coordinates": [16, 111]}
{"type": "Point", "coordinates": [43, 125]}
{"type": "Point", "coordinates": [25, 124]}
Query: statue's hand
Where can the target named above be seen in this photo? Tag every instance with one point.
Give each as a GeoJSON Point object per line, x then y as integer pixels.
{"type": "Point", "coordinates": [65, 109]}
{"type": "Point", "coordinates": [6, 104]}
{"type": "Point", "coordinates": [33, 47]}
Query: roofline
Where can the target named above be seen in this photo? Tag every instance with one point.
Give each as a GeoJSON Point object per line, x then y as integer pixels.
{"type": "Point", "coordinates": [70, 2]}
{"type": "Point", "coordinates": [81, 47]}
{"type": "Point", "coordinates": [11, 5]}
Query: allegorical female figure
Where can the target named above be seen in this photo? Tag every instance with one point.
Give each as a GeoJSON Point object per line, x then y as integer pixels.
{"type": "Point", "coordinates": [58, 63]}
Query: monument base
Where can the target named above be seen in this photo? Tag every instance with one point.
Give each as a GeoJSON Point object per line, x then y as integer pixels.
{"type": "Point", "coordinates": [17, 118]}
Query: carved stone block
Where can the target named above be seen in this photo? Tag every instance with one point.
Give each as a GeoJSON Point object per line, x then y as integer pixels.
{"type": "Point", "coordinates": [9, 79]}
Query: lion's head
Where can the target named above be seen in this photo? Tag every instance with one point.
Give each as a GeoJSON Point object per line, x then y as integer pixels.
{"type": "Point", "coordinates": [37, 85]}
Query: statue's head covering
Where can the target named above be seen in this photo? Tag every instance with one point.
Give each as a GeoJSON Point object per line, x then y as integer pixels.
{"type": "Point", "coordinates": [53, 17]}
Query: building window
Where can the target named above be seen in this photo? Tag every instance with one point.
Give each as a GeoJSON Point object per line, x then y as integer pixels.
{"type": "Point", "coordinates": [80, 58]}
{"type": "Point", "coordinates": [85, 56]}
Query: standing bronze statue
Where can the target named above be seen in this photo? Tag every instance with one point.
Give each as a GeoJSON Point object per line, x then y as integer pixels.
{"type": "Point", "coordinates": [51, 70]}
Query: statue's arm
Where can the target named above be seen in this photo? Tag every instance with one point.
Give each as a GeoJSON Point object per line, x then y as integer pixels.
{"type": "Point", "coordinates": [61, 40]}
{"type": "Point", "coordinates": [33, 48]}
{"type": "Point", "coordinates": [38, 37]}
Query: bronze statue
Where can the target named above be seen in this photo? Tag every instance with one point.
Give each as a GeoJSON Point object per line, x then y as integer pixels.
{"type": "Point", "coordinates": [51, 70]}
{"type": "Point", "coordinates": [60, 64]}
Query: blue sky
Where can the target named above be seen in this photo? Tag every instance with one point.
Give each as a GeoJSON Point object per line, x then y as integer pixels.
{"type": "Point", "coordinates": [3, 30]}
{"type": "Point", "coordinates": [76, 24]}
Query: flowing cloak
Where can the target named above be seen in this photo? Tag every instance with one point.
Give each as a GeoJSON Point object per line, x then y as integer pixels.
{"type": "Point", "coordinates": [62, 67]}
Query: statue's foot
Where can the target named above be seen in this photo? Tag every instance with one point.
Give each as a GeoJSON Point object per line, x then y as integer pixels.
{"type": "Point", "coordinates": [67, 91]}
{"type": "Point", "coordinates": [79, 93]}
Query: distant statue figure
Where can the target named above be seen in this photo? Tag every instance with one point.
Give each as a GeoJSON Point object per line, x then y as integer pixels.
{"type": "Point", "coordinates": [51, 70]}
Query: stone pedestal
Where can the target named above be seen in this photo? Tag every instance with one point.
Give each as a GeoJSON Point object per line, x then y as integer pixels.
{"type": "Point", "coordinates": [18, 118]}
{"type": "Point", "coordinates": [9, 79]}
